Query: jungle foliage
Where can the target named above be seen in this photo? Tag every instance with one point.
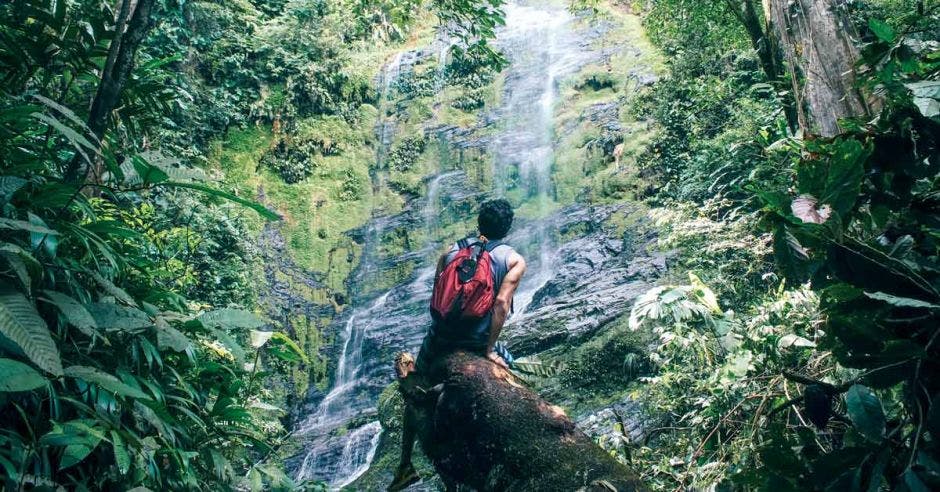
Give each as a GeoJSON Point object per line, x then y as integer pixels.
{"type": "Point", "coordinates": [131, 351]}
{"type": "Point", "coordinates": [812, 366]}
{"type": "Point", "coordinates": [126, 358]}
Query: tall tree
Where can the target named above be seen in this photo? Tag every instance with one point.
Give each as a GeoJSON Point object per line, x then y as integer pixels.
{"type": "Point", "coordinates": [767, 51]}
{"type": "Point", "coordinates": [132, 23]}
{"type": "Point", "coordinates": [819, 46]}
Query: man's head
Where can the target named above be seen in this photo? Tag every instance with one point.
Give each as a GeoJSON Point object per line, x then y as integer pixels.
{"type": "Point", "coordinates": [495, 218]}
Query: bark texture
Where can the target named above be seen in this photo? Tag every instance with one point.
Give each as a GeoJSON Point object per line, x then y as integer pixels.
{"type": "Point", "coordinates": [488, 432]}
{"type": "Point", "coordinates": [132, 24]}
{"type": "Point", "coordinates": [817, 42]}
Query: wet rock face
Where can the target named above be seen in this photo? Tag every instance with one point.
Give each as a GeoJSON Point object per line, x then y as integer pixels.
{"type": "Point", "coordinates": [596, 278]}
{"type": "Point", "coordinates": [617, 426]}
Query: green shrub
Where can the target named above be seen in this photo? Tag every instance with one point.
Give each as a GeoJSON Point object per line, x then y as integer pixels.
{"type": "Point", "coordinates": [293, 161]}
{"type": "Point", "coordinates": [609, 362]}
{"type": "Point", "coordinates": [404, 155]}
{"type": "Point", "coordinates": [353, 186]}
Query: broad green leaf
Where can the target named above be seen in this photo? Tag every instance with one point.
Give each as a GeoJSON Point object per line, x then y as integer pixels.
{"type": "Point", "coordinates": [9, 468]}
{"type": "Point", "coordinates": [926, 97]}
{"type": "Point", "coordinates": [704, 294]}
{"type": "Point", "coordinates": [267, 407]}
{"type": "Point", "coordinates": [913, 482]}
{"type": "Point", "coordinates": [121, 456]}
{"type": "Point", "coordinates": [77, 140]}
{"type": "Point", "coordinates": [257, 207]}
{"type": "Point", "coordinates": [10, 185]}
{"type": "Point", "coordinates": [73, 311]}
{"type": "Point", "coordinates": [74, 454]}
{"type": "Point", "coordinates": [80, 438]}
{"type": "Point", "coordinates": [229, 344]}
{"type": "Point", "coordinates": [16, 376]}
{"type": "Point", "coordinates": [48, 242]}
{"type": "Point", "coordinates": [19, 268]}
{"type": "Point", "coordinates": [254, 480]}
{"type": "Point", "coordinates": [20, 323]}
{"type": "Point", "coordinates": [293, 353]}
{"type": "Point", "coordinates": [792, 340]}
{"type": "Point", "coordinates": [105, 381]}
{"type": "Point", "coordinates": [865, 412]}
{"type": "Point", "coordinates": [844, 179]}
{"type": "Point", "coordinates": [113, 290]}
{"type": "Point", "coordinates": [114, 317]}
{"type": "Point", "coordinates": [170, 337]}
{"type": "Point", "coordinates": [901, 301]}
{"type": "Point", "coordinates": [259, 338]}
{"type": "Point", "coordinates": [68, 113]}
{"type": "Point", "coordinates": [231, 318]}
{"type": "Point", "coordinates": [147, 172]}
{"type": "Point", "coordinates": [22, 225]}
{"type": "Point", "coordinates": [881, 29]}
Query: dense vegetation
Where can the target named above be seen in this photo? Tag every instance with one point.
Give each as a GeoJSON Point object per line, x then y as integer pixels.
{"type": "Point", "coordinates": [810, 363]}
{"type": "Point", "coordinates": [132, 352]}
{"type": "Point", "coordinates": [794, 345]}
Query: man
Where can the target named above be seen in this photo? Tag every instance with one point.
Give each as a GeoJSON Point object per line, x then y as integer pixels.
{"type": "Point", "coordinates": [479, 335]}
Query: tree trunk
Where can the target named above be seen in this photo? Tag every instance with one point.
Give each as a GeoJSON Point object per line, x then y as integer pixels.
{"type": "Point", "coordinates": [489, 432]}
{"type": "Point", "coordinates": [769, 56]}
{"type": "Point", "coordinates": [133, 22]}
{"type": "Point", "coordinates": [817, 42]}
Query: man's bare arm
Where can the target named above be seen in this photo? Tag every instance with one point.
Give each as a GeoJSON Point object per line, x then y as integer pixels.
{"type": "Point", "coordinates": [503, 303]}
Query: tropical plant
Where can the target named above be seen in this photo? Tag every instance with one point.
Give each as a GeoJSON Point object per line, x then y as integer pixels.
{"type": "Point", "coordinates": [861, 224]}
{"type": "Point", "coordinates": [111, 377]}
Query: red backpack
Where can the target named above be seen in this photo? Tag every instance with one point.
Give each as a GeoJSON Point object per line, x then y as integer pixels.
{"type": "Point", "coordinates": [464, 291]}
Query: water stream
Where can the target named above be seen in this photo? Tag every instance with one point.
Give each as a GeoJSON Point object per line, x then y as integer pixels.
{"type": "Point", "coordinates": [341, 436]}
{"type": "Point", "coordinates": [541, 48]}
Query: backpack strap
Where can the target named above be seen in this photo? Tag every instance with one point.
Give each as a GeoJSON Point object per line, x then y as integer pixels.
{"type": "Point", "coordinates": [491, 245]}
{"type": "Point", "coordinates": [463, 243]}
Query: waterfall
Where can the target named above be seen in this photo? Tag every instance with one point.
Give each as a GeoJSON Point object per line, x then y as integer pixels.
{"type": "Point", "coordinates": [446, 43]}
{"type": "Point", "coordinates": [330, 455]}
{"type": "Point", "coordinates": [542, 50]}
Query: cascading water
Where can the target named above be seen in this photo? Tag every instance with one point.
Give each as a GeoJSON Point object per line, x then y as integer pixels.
{"type": "Point", "coordinates": [541, 49]}
{"type": "Point", "coordinates": [333, 456]}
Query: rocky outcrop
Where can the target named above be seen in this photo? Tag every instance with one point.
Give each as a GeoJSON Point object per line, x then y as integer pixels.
{"type": "Point", "coordinates": [617, 426]}
{"type": "Point", "coordinates": [596, 278]}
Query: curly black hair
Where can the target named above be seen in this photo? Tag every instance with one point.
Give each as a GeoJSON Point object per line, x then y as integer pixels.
{"type": "Point", "coordinates": [495, 218]}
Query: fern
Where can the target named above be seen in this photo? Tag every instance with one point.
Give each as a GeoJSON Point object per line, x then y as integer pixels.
{"type": "Point", "coordinates": [20, 323]}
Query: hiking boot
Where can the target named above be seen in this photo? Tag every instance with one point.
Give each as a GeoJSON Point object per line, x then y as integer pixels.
{"type": "Point", "coordinates": [404, 476]}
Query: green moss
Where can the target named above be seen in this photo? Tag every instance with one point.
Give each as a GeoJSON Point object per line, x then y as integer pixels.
{"type": "Point", "coordinates": [582, 171]}
{"type": "Point", "coordinates": [319, 210]}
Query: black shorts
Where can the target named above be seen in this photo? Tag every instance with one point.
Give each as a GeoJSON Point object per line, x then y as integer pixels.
{"type": "Point", "coordinates": [434, 348]}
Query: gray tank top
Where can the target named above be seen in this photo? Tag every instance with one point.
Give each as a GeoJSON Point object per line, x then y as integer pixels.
{"type": "Point", "coordinates": [475, 337]}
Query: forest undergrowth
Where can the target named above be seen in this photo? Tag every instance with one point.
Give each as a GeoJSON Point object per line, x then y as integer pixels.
{"type": "Point", "coordinates": [799, 351]}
